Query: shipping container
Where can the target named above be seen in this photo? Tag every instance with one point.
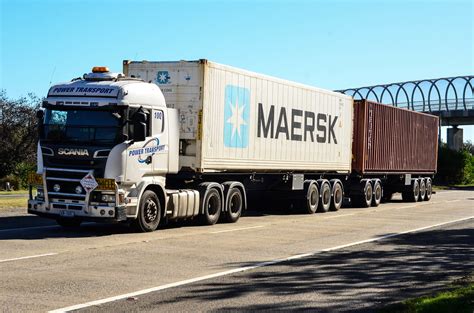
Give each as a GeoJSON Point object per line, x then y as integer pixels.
{"type": "Point", "coordinates": [392, 140]}
{"type": "Point", "coordinates": [232, 119]}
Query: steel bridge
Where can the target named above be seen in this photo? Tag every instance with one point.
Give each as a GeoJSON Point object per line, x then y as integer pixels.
{"type": "Point", "coordinates": [450, 98]}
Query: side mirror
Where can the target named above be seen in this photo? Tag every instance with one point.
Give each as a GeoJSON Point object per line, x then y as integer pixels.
{"type": "Point", "coordinates": [139, 126]}
{"type": "Point", "coordinates": [40, 117]}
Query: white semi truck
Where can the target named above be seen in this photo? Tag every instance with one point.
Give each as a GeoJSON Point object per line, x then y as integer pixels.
{"type": "Point", "coordinates": [190, 139]}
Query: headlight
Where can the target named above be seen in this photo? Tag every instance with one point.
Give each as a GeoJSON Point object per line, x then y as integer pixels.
{"type": "Point", "coordinates": [40, 194]}
{"type": "Point", "coordinates": [108, 198]}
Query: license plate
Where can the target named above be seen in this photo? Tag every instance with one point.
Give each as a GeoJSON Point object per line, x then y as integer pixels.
{"type": "Point", "coordinates": [65, 213]}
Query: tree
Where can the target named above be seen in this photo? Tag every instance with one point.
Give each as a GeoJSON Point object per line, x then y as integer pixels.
{"type": "Point", "coordinates": [469, 146]}
{"type": "Point", "coordinates": [18, 131]}
{"type": "Point", "coordinates": [455, 167]}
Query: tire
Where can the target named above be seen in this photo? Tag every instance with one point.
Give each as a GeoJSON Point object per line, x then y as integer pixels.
{"type": "Point", "coordinates": [149, 213]}
{"type": "Point", "coordinates": [364, 200]}
{"type": "Point", "coordinates": [412, 194]}
{"type": "Point", "coordinates": [337, 197]}
{"type": "Point", "coordinates": [422, 194]}
{"type": "Point", "coordinates": [429, 189]}
{"type": "Point", "coordinates": [377, 198]}
{"type": "Point", "coordinates": [69, 222]}
{"type": "Point", "coordinates": [312, 199]}
{"type": "Point", "coordinates": [211, 206]}
{"type": "Point", "coordinates": [325, 194]}
{"type": "Point", "coordinates": [235, 203]}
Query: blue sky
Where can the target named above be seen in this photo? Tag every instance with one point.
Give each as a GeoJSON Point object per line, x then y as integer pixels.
{"type": "Point", "coordinates": [328, 44]}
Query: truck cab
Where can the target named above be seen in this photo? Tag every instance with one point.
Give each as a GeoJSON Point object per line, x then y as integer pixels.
{"type": "Point", "coordinates": [105, 141]}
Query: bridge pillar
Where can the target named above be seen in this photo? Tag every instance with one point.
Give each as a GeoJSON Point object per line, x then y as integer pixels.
{"type": "Point", "coordinates": [455, 138]}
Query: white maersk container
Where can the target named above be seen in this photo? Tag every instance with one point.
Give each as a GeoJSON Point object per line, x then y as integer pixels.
{"type": "Point", "coordinates": [236, 120]}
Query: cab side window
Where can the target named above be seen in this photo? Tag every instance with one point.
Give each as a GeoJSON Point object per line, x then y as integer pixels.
{"type": "Point", "coordinates": [148, 114]}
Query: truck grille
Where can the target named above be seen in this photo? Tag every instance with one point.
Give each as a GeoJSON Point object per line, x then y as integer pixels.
{"type": "Point", "coordinates": [68, 180]}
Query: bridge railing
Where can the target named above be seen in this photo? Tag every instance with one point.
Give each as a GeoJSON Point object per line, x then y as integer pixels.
{"type": "Point", "coordinates": [428, 95]}
{"type": "Point", "coordinates": [449, 105]}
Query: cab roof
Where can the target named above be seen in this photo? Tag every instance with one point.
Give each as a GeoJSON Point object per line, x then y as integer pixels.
{"type": "Point", "coordinates": [119, 91]}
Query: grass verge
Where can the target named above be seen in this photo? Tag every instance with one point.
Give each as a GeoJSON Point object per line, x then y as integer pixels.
{"type": "Point", "coordinates": [9, 203]}
{"type": "Point", "coordinates": [459, 299]}
{"type": "Point", "coordinates": [14, 192]}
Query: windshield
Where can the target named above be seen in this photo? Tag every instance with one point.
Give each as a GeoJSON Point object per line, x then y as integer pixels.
{"type": "Point", "coordinates": [73, 125]}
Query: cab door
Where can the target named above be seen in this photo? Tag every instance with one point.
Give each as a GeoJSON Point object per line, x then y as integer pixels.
{"type": "Point", "coordinates": [160, 147]}
{"type": "Point", "coordinates": [138, 162]}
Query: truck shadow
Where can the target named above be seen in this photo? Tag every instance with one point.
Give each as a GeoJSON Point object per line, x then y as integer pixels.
{"type": "Point", "coordinates": [350, 280]}
{"type": "Point", "coordinates": [33, 227]}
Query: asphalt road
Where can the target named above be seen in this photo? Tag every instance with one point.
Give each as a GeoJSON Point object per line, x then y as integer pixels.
{"type": "Point", "coordinates": [360, 278]}
{"type": "Point", "coordinates": [43, 267]}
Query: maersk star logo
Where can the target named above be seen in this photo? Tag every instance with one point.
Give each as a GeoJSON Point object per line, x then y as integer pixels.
{"type": "Point", "coordinates": [163, 77]}
{"type": "Point", "coordinates": [236, 117]}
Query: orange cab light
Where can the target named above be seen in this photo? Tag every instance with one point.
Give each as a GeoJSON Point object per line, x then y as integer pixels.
{"type": "Point", "coordinates": [100, 69]}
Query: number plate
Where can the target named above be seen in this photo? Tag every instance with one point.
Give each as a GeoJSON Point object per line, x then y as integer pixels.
{"type": "Point", "coordinates": [65, 213]}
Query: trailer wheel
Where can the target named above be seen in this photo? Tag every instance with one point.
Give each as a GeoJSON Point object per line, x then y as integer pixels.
{"type": "Point", "coordinates": [212, 205]}
{"type": "Point", "coordinates": [149, 213]}
{"type": "Point", "coordinates": [325, 194]}
{"type": "Point", "coordinates": [69, 222]}
{"type": "Point", "coordinates": [337, 197]}
{"type": "Point", "coordinates": [312, 199]}
{"type": "Point", "coordinates": [429, 189]}
{"type": "Point", "coordinates": [422, 195]}
{"type": "Point", "coordinates": [364, 200]}
{"type": "Point", "coordinates": [412, 194]}
{"type": "Point", "coordinates": [235, 204]}
{"type": "Point", "coordinates": [377, 198]}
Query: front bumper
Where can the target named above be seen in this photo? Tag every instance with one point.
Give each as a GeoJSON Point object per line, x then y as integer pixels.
{"type": "Point", "coordinates": [84, 212]}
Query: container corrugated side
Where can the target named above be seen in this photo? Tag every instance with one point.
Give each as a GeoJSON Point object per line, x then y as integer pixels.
{"type": "Point", "coordinates": [237, 132]}
{"type": "Point", "coordinates": [393, 140]}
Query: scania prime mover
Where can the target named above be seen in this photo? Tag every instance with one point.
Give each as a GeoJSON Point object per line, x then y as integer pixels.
{"type": "Point", "coordinates": [196, 139]}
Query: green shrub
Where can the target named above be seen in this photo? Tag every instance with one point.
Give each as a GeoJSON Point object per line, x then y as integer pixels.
{"type": "Point", "coordinates": [22, 170]}
{"type": "Point", "coordinates": [12, 179]}
{"type": "Point", "coordinates": [454, 167]}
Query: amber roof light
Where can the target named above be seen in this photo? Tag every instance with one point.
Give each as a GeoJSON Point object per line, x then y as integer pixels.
{"type": "Point", "coordinates": [100, 69]}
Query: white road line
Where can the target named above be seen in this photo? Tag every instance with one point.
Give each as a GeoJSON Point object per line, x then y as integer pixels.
{"type": "Point", "coordinates": [235, 229]}
{"type": "Point", "coordinates": [243, 269]}
{"type": "Point", "coordinates": [28, 257]}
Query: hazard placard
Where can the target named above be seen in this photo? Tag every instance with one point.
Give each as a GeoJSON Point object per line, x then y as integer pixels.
{"type": "Point", "coordinates": [89, 183]}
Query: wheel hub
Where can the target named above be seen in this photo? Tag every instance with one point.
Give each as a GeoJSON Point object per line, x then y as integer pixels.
{"type": "Point", "coordinates": [151, 211]}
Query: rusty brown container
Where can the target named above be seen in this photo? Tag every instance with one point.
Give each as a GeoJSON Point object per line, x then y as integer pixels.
{"type": "Point", "coordinates": [391, 140]}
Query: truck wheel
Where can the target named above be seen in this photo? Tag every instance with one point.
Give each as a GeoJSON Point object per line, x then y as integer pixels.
{"type": "Point", "coordinates": [377, 198]}
{"type": "Point", "coordinates": [337, 197]}
{"type": "Point", "coordinates": [235, 204]}
{"type": "Point", "coordinates": [429, 189]}
{"type": "Point", "coordinates": [312, 199]}
{"type": "Point", "coordinates": [325, 192]}
{"type": "Point", "coordinates": [212, 206]}
{"type": "Point", "coordinates": [364, 200]}
{"type": "Point", "coordinates": [422, 195]}
{"type": "Point", "coordinates": [412, 194]}
{"type": "Point", "coordinates": [69, 222]}
{"type": "Point", "coordinates": [149, 213]}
